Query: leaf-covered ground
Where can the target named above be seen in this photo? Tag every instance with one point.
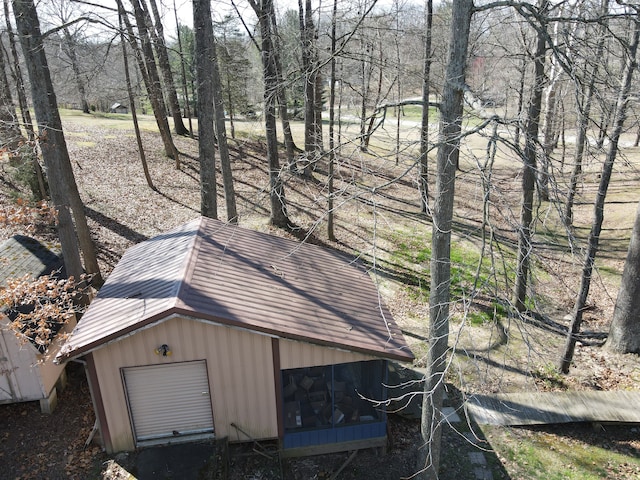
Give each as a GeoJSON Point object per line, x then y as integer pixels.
{"type": "Point", "coordinates": [372, 223]}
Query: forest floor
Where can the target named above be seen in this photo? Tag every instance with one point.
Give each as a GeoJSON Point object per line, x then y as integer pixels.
{"type": "Point", "coordinates": [379, 220]}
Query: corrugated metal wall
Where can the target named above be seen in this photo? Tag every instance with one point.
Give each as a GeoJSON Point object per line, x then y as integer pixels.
{"type": "Point", "coordinates": [240, 375]}
{"type": "Point", "coordinates": [299, 354]}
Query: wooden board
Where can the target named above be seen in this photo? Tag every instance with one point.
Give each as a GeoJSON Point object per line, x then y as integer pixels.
{"type": "Point", "coordinates": [555, 407]}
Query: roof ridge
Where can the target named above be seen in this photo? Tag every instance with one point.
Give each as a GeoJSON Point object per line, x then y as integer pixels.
{"type": "Point", "coordinates": [186, 273]}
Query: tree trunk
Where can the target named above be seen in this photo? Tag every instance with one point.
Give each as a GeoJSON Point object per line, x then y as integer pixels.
{"type": "Point", "coordinates": [624, 333]}
{"type": "Point", "coordinates": [529, 171]}
{"type": "Point", "coordinates": [447, 160]}
{"type": "Point", "coordinates": [149, 69]}
{"type": "Point", "coordinates": [132, 104]}
{"type": "Point", "coordinates": [203, 30]}
{"type": "Point", "coordinates": [598, 214]}
{"type": "Point", "coordinates": [221, 135]}
{"type": "Point", "coordinates": [332, 102]}
{"type": "Point", "coordinates": [424, 129]}
{"type": "Point", "coordinates": [10, 135]}
{"type": "Point", "coordinates": [64, 191]}
{"type": "Point", "coordinates": [70, 50]}
{"type": "Point", "coordinates": [308, 70]}
{"type": "Point", "coordinates": [266, 18]}
{"type": "Point", "coordinates": [185, 91]}
{"type": "Point", "coordinates": [289, 144]}
{"type": "Point", "coordinates": [365, 76]}
{"type": "Point", "coordinates": [584, 112]}
{"type": "Point", "coordinates": [18, 79]}
{"type": "Point", "coordinates": [167, 75]}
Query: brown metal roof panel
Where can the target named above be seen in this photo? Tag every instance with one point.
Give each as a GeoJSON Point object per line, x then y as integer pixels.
{"type": "Point", "coordinates": [281, 286]}
{"type": "Point", "coordinates": [145, 283]}
{"type": "Point", "coordinates": [249, 279]}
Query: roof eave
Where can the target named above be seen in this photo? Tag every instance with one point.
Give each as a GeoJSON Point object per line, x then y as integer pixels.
{"type": "Point", "coordinates": [176, 311]}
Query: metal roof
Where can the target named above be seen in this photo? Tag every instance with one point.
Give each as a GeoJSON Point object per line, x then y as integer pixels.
{"type": "Point", "coordinates": [217, 272]}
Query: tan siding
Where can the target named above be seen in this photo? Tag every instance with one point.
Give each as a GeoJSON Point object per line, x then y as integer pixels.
{"type": "Point", "coordinates": [299, 354]}
{"type": "Point", "coordinates": [239, 364]}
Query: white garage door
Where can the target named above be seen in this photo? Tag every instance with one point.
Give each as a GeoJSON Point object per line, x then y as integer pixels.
{"type": "Point", "coordinates": [169, 400]}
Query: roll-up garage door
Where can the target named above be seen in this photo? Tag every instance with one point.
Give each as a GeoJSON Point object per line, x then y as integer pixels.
{"type": "Point", "coordinates": [169, 400]}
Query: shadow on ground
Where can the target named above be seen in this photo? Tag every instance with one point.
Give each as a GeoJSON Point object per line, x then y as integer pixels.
{"type": "Point", "coordinates": [185, 461]}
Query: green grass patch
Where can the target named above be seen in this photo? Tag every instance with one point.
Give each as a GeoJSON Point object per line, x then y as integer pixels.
{"type": "Point", "coordinates": [469, 270]}
{"type": "Point", "coordinates": [538, 454]}
{"type": "Point", "coordinates": [548, 378]}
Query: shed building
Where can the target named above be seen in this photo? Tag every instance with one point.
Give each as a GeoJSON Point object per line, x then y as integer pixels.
{"type": "Point", "coordinates": [27, 372]}
{"type": "Point", "coordinates": [215, 330]}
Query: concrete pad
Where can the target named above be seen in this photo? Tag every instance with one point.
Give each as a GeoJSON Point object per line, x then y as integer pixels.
{"type": "Point", "coordinates": [478, 458]}
{"type": "Point", "coordinates": [481, 473]}
{"type": "Point", "coordinates": [451, 415]}
{"type": "Point", "coordinates": [185, 461]}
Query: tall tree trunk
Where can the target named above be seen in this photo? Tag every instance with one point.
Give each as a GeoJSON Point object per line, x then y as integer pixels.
{"type": "Point", "coordinates": [149, 69]}
{"type": "Point", "coordinates": [624, 333]}
{"type": "Point", "coordinates": [167, 75]}
{"type": "Point", "coordinates": [70, 50]}
{"type": "Point", "coordinates": [203, 29]}
{"type": "Point", "coordinates": [10, 135]}
{"type": "Point", "coordinates": [598, 214]}
{"type": "Point", "coordinates": [306, 45]}
{"type": "Point", "coordinates": [521, 85]}
{"type": "Point", "coordinates": [424, 128]}
{"type": "Point", "coordinates": [64, 191]}
{"type": "Point", "coordinates": [14, 143]}
{"type": "Point", "coordinates": [366, 66]}
{"type": "Point", "coordinates": [18, 79]}
{"type": "Point", "coordinates": [221, 135]}
{"type": "Point", "coordinates": [549, 119]}
{"type": "Point", "coordinates": [266, 18]}
{"type": "Point", "coordinates": [332, 102]}
{"type": "Point", "coordinates": [447, 160]}
{"type": "Point", "coordinates": [529, 171]}
{"type": "Point", "coordinates": [289, 143]}
{"type": "Point", "coordinates": [185, 91]}
{"type": "Point", "coordinates": [372, 119]}
{"type": "Point", "coordinates": [132, 103]}
{"type": "Point", "coordinates": [585, 99]}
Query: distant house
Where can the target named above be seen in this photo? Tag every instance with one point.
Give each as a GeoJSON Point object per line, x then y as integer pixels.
{"type": "Point", "coordinates": [212, 330]}
{"type": "Point", "coordinates": [27, 373]}
{"type": "Point", "coordinates": [118, 108]}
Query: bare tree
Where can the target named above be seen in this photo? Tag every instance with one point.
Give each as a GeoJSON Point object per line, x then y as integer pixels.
{"type": "Point", "coordinates": [620, 114]}
{"type": "Point", "coordinates": [203, 29]}
{"type": "Point", "coordinates": [132, 103]}
{"type": "Point", "coordinates": [447, 160]}
{"type": "Point", "coordinates": [624, 333]}
{"type": "Point", "coordinates": [584, 95]}
{"type": "Point", "coordinates": [529, 168]}
{"type": "Point", "coordinates": [310, 71]}
{"type": "Point", "coordinates": [17, 77]}
{"type": "Point", "coordinates": [424, 130]}
{"type": "Point", "coordinates": [64, 191]}
{"type": "Point", "coordinates": [165, 68]}
{"type": "Point", "coordinates": [266, 19]}
{"type": "Point", "coordinates": [149, 70]}
{"type": "Point", "coordinates": [221, 136]}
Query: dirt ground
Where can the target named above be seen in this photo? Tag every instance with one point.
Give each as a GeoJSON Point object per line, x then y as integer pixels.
{"type": "Point", "coordinates": [513, 355]}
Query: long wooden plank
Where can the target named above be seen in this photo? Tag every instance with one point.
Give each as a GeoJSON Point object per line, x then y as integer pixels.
{"type": "Point", "coordinates": [555, 407]}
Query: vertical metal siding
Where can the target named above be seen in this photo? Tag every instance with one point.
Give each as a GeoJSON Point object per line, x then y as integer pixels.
{"type": "Point", "coordinates": [300, 354]}
{"type": "Point", "coordinates": [239, 363]}
{"type": "Point", "coordinates": [169, 400]}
